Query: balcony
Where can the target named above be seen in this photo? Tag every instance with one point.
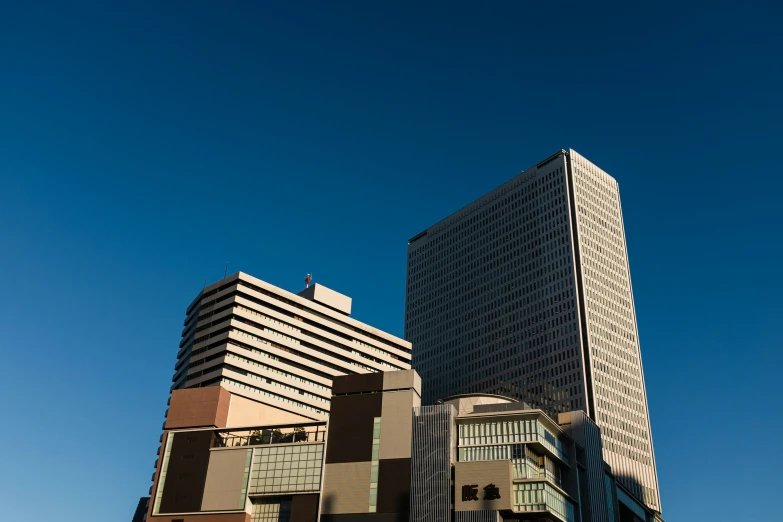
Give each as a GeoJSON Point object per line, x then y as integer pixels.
{"type": "Point", "coordinates": [266, 435]}
{"type": "Point", "coordinates": [543, 498]}
{"type": "Point", "coordinates": [502, 431]}
{"type": "Point", "coordinates": [526, 463]}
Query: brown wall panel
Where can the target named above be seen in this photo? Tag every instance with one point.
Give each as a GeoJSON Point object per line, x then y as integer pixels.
{"type": "Point", "coordinates": [480, 475]}
{"type": "Point", "coordinates": [187, 472]}
{"type": "Point", "coordinates": [346, 488]}
{"type": "Point", "coordinates": [357, 383]}
{"type": "Point", "coordinates": [196, 407]}
{"type": "Point", "coordinates": [304, 508]}
{"type": "Point", "coordinates": [394, 486]}
{"type": "Point", "coordinates": [350, 427]}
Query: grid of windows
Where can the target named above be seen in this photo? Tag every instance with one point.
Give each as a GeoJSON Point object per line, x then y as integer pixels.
{"type": "Point", "coordinates": [281, 469]}
{"type": "Point", "coordinates": [618, 383]}
{"type": "Point", "coordinates": [525, 462]}
{"type": "Point", "coordinates": [301, 353]}
{"type": "Point", "coordinates": [273, 337]}
{"type": "Point", "coordinates": [280, 334]}
{"type": "Point", "coordinates": [491, 299]}
{"type": "Point", "coordinates": [499, 432]}
{"type": "Point", "coordinates": [267, 380]}
{"type": "Point", "coordinates": [376, 449]}
{"type": "Point", "coordinates": [285, 374]}
{"type": "Point", "coordinates": [526, 292]}
{"type": "Point", "coordinates": [539, 496]}
{"type": "Point", "coordinates": [305, 314]}
{"type": "Point", "coordinates": [279, 319]}
{"type": "Point", "coordinates": [271, 510]}
{"type": "Point", "coordinates": [264, 393]}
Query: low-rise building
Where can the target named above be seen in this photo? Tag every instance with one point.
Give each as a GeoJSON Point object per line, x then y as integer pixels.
{"type": "Point", "coordinates": [215, 473]}
{"type": "Point", "coordinates": [383, 457]}
{"type": "Point", "coordinates": [473, 458]}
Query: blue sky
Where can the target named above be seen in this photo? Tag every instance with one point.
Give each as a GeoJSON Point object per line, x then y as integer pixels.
{"type": "Point", "coordinates": [144, 146]}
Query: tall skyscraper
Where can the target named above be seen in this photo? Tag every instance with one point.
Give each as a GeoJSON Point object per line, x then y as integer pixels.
{"type": "Point", "coordinates": [527, 292]}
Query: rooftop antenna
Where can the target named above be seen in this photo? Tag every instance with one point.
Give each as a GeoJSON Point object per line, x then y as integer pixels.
{"type": "Point", "coordinates": [225, 272]}
{"type": "Point", "coordinates": [307, 280]}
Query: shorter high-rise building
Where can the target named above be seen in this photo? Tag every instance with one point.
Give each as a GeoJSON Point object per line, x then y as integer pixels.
{"type": "Point", "coordinates": [255, 368]}
{"type": "Point", "coordinates": [277, 352]}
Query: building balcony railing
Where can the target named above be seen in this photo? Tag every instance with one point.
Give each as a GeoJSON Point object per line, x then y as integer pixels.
{"type": "Point", "coordinates": [512, 431]}
{"type": "Point", "coordinates": [525, 462]}
{"type": "Point", "coordinates": [539, 496]}
{"type": "Point", "coordinates": [522, 470]}
{"type": "Point", "coordinates": [268, 435]}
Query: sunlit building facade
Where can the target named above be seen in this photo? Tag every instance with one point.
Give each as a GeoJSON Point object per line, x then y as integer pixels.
{"type": "Point", "coordinates": [244, 435]}
{"type": "Point", "coordinates": [526, 292]}
{"type": "Point", "coordinates": [277, 350]}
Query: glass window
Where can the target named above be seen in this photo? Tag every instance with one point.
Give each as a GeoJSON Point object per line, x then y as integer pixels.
{"type": "Point", "coordinates": [284, 468]}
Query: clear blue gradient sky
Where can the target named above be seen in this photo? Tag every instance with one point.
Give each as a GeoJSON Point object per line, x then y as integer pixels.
{"type": "Point", "coordinates": [144, 146]}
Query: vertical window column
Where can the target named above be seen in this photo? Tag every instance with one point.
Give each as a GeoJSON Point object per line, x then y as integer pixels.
{"type": "Point", "coordinates": [162, 476]}
{"type": "Point", "coordinates": [376, 448]}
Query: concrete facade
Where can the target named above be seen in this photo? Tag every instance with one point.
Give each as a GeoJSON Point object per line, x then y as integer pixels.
{"type": "Point", "coordinates": [367, 471]}
{"type": "Point", "coordinates": [255, 359]}
{"type": "Point", "coordinates": [433, 450]}
{"type": "Point", "coordinates": [470, 479]}
{"type": "Point", "coordinates": [259, 473]}
{"type": "Point", "coordinates": [278, 348]}
{"type": "Point", "coordinates": [327, 297]}
{"type": "Point", "coordinates": [526, 292]}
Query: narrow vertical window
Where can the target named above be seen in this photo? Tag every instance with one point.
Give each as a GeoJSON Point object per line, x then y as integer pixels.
{"type": "Point", "coordinates": [163, 470]}
{"type": "Point", "coordinates": [376, 448]}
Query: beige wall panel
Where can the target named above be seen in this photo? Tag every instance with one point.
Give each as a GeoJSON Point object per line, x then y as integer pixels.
{"type": "Point", "coordinates": [396, 424]}
{"type": "Point", "coordinates": [225, 480]}
{"type": "Point", "coordinates": [245, 412]}
{"type": "Point", "coordinates": [480, 475]}
{"type": "Point", "coordinates": [402, 379]}
{"type": "Point", "coordinates": [328, 297]}
{"type": "Point", "coordinates": [346, 488]}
